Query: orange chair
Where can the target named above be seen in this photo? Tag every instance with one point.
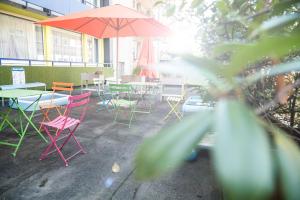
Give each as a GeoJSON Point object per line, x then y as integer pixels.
{"type": "Point", "coordinates": [47, 107]}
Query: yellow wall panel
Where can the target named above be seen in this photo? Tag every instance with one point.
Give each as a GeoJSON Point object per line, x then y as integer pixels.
{"type": "Point", "coordinates": [18, 12]}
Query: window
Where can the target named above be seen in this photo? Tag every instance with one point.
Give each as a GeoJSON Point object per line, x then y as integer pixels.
{"type": "Point", "coordinates": [66, 46]}
{"type": "Point", "coordinates": [92, 3]}
{"type": "Point", "coordinates": [39, 42]}
{"type": "Point", "coordinates": [104, 3]}
{"type": "Point", "coordinates": [17, 38]}
{"type": "Point", "coordinates": [92, 48]}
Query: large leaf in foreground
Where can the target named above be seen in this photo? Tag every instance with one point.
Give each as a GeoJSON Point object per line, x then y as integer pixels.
{"type": "Point", "coordinates": [209, 69]}
{"type": "Point", "coordinates": [245, 54]}
{"type": "Point", "coordinates": [242, 152]}
{"type": "Point", "coordinates": [272, 71]}
{"type": "Point", "coordinates": [275, 22]}
{"type": "Point", "coordinates": [168, 149]}
{"type": "Point", "coordinates": [289, 165]}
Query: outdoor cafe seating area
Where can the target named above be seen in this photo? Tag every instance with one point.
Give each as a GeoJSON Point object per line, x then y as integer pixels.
{"type": "Point", "coordinates": [37, 145]}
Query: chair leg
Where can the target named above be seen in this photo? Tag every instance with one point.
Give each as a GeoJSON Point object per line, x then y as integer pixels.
{"type": "Point", "coordinates": [46, 151]}
{"type": "Point", "coordinates": [61, 155]}
{"type": "Point", "coordinates": [66, 140]}
{"type": "Point", "coordinates": [58, 149]}
{"type": "Point", "coordinates": [53, 143]}
{"type": "Point", "coordinates": [58, 110]}
{"type": "Point", "coordinates": [132, 114]}
{"type": "Point", "coordinates": [117, 110]}
{"type": "Point", "coordinates": [78, 144]}
{"type": "Point", "coordinates": [173, 107]}
{"type": "Point", "coordinates": [45, 117]}
{"type": "Point", "coordinates": [71, 134]}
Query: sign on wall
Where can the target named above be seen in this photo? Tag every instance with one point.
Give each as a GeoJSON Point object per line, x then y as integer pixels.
{"type": "Point", "coordinates": [18, 75]}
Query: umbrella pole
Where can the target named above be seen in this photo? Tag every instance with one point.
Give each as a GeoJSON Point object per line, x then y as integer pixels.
{"type": "Point", "coordinates": [117, 60]}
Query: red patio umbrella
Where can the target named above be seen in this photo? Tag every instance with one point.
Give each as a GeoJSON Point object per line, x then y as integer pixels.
{"type": "Point", "coordinates": [147, 60]}
{"type": "Point", "coordinates": [111, 21]}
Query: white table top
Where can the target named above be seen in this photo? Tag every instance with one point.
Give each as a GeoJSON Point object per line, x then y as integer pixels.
{"type": "Point", "coordinates": [20, 86]}
{"type": "Point", "coordinates": [144, 83]}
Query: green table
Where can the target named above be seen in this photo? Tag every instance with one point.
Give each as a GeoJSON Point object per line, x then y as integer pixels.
{"type": "Point", "coordinates": [6, 122]}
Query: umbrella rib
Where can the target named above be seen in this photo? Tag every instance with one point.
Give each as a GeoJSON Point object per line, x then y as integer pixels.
{"type": "Point", "coordinates": [129, 24]}
{"type": "Point", "coordinates": [112, 24]}
{"type": "Point", "coordinates": [81, 25]}
{"type": "Point", "coordinates": [106, 24]}
{"type": "Point", "coordinates": [120, 22]}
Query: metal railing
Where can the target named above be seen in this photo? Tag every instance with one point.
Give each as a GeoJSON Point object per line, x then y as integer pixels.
{"type": "Point", "coordinates": [53, 63]}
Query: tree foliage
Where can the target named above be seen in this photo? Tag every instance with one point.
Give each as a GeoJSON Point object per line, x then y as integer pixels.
{"type": "Point", "coordinates": [251, 54]}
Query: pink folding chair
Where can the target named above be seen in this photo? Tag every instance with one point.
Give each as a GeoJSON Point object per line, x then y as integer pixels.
{"type": "Point", "coordinates": [66, 122]}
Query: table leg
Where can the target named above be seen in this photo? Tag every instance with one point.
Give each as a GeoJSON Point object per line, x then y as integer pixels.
{"type": "Point", "coordinates": [29, 119]}
{"type": "Point", "coordinates": [141, 93]}
{"type": "Point", "coordinates": [19, 143]}
{"type": "Point", "coordinates": [6, 120]}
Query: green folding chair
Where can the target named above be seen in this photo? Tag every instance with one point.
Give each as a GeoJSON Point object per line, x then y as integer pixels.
{"type": "Point", "coordinates": [123, 102]}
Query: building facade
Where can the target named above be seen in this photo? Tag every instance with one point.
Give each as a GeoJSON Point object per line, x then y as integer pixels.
{"type": "Point", "coordinates": [22, 39]}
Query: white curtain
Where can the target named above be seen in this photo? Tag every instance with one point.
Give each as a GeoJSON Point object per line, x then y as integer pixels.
{"type": "Point", "coordinates": [66, 46]}
{"type": "Point", "coordinates": [17, 38]}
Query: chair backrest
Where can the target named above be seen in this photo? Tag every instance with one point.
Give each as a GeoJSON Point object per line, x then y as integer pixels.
{"type": "Point", "coordinates": [172, 82]}
{"type": "Point", "coordinates": [98, 81]}
{"type": "Point", "coordinates": [123, 90]}
{"type": "Point", "coordinates": [62, 86]}
{"type": "Point", "coordinates": [120, 88]}
{"type": "Point", "coordinates": [81, 101]}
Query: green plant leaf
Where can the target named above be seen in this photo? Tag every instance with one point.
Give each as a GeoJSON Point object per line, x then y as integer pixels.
{"type": "Point", "coordinates": [242, 154]}
{"type": "Point", "coordinates": [272, 71]}
{"type": "Point", "coordinates": [260, 5]}
{"type": "Point", "coordinates": [196, 3]}
{"type": "Point", "coordinates": [171, 10]}
{"type": "Point", "coordinates": [288, 158]}
{"type": "Point", "coordinates": [168, 149]}
{"type": "Point", "coordinates": [157, 3]}
{"type": "Point", "coordinates": [281, 7]}
{"type": "Point", "coordinates": [275, 22]}
{"type": "Point", "coordinates": [245, 54]}
{"type": "Point", "coordinates": [227, 47]}
{"type": "Point", "coordinates": [183, 3]}
{"type": "Point", "coordinates": [223, 7]}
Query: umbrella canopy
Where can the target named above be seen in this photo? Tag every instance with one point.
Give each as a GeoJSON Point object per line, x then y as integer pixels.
{"type": "Point", "coordinates": [111, 21]}
{"type": "Point", "coordinates": [108, 22]}
{"type": "Point", "coordinates": [146, 59]}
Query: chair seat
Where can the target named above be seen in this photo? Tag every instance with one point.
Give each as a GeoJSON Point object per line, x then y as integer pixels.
{"type": "Point", "coordinates": [93, 89]}
{"type": "Point", "coordinates": [48, 106]}
{"type": "Point", "coordinates": [124, 103]}
{"type": "Point", "coordinates": [174, 98]}
{"type": "Point", "coordinates": [59, 121]}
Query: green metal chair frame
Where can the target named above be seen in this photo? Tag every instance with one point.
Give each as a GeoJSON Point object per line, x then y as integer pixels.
{"type": "Point", "coordinates": [123, 102]}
